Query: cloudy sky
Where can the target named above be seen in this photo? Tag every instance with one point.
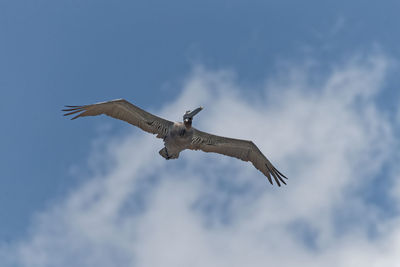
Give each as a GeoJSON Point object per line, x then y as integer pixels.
{"type": "Point", "coordinates": [315, 85]}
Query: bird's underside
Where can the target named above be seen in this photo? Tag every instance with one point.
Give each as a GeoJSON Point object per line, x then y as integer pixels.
{"type": "Point", "coordinates": [180, 136]}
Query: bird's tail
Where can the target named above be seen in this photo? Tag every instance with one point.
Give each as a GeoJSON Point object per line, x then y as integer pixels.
{"type": "Point", "coordinates": [164, 153]}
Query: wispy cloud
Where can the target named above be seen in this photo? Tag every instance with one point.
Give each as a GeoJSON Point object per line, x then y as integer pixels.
{"type": "Point", "coordinates": [208, 210]}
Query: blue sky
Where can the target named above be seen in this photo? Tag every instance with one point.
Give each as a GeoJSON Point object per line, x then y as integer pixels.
{"type": "Point", "coordinates": [55, 53]}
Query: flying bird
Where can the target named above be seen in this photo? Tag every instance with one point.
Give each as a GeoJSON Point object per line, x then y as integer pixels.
{"type": "Point", "coordinates": [179, 136]}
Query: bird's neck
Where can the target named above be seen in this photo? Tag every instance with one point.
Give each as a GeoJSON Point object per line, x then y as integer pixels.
{"type": "Point", "coordinates": [188, 124]}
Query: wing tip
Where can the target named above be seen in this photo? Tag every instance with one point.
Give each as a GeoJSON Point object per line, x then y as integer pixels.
{"type": "Point", "coordinates": [280, 173]}
{"type": "Point", "coordinates": [68, 106]}
{"type": "Point", "coordinates": [70, 110]}
{"type": "Point", "coordinates": [276, 174]}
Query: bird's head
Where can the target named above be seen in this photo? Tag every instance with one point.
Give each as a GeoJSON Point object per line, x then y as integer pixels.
{"type": "Point", "coordinates": [188, 116]}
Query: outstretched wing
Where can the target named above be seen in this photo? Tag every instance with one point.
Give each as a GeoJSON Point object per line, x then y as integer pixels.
{"type": "Point", "coordinates": [123, 110]}
{"type": "Point", "coordinates": [241, 149]}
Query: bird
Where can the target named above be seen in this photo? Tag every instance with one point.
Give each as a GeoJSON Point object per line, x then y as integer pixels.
{"type": "Point", "coordinates": [178, 136]}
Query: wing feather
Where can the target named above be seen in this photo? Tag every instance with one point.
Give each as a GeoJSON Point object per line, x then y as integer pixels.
{"type": "Point", "coordinates": [241, 149]}
{"type": "Point", "coordinates": [123, 110]}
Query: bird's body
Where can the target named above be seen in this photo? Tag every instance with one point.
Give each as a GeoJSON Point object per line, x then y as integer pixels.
{"type": "Point", "coordinates": [179, 136]}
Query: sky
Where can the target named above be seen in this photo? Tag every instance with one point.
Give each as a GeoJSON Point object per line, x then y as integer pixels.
{"type": "Point", "coordinates": [313, 84]}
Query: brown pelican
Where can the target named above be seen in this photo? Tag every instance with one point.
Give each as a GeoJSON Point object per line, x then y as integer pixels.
{"type": "Point", "coordinates": [179, 136]}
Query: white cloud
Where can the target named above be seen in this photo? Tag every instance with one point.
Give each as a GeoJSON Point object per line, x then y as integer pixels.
{"type": "Point", "coordinates": [209, 210]}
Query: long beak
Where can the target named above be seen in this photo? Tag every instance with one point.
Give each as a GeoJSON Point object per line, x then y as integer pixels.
{"type": "Point", "coordinates": [191, 114]}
